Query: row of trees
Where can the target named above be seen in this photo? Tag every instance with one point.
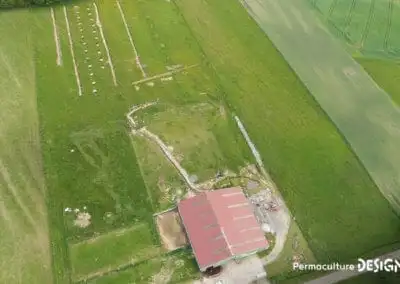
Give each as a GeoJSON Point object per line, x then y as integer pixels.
{"type": "Point", "coordinates": [27, 3]}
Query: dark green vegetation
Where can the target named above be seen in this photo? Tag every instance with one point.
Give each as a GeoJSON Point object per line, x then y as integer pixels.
{"type": "Point", "coordinates": [27, 3]}
{"type": "Point", "coordinates": [368, 26]}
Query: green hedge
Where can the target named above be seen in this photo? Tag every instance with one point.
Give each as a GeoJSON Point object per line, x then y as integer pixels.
{"type": "Point", "coordinates": [27, 3]}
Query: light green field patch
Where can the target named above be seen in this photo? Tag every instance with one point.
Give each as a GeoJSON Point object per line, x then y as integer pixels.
{"type": "Point", "coordinates": [24, 249]}
{"type": "Point", "coordinates": [113, 250]}
{"type": "Point", "coordinates": [160, 176]}
{"type": "Point", "coordinates": [369, 26]}
{"type": "Point", "coordinates": [199, 136]}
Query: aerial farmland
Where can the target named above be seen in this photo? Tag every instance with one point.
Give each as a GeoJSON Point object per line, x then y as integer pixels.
{"type": "Point", "coordinates": [112, 112]}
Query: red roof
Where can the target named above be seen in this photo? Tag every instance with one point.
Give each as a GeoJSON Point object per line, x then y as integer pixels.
{"type": "Point", "coordinates": [220, 225]}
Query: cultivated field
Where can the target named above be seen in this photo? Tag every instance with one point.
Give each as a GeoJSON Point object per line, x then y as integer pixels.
{"type": "Point", "coordinates": [370, 27]}
{"type": "Point", "coordinates": [25, 249]}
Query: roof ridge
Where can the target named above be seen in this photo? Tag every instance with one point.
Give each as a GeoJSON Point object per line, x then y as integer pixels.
{"type": "Point", "coordinates": [221, 228]}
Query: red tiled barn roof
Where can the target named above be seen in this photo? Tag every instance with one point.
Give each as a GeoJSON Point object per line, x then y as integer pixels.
{"type": "Point", "coordinates": [220, 225]}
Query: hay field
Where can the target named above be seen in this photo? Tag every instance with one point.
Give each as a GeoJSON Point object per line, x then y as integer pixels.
{"type": "Point", "coordinates": [25, 248]}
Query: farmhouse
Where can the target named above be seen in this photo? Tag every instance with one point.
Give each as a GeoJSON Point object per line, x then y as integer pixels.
{"type": "Point", "coordinates": [221, 226]}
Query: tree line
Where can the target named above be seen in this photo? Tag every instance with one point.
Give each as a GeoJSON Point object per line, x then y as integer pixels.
{"type": "Point", "coordinates": [27, 3]}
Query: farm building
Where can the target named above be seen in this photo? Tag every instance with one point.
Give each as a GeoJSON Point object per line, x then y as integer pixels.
{"type": "Point", "coordinates": [221, 226]}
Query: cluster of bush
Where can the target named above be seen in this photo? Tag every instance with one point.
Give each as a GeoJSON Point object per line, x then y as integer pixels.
{"type": "Point", "coordinates": [27, 3]}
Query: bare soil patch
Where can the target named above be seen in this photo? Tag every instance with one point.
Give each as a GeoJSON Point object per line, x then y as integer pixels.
{"type": "Point", "coordinates": [171, 230]}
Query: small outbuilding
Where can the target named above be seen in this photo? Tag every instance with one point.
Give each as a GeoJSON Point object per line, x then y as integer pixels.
{"type": "Point", "coordinates": [221, 226]}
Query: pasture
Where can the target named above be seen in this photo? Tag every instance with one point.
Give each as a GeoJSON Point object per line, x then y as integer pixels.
{"type": "Point", "coordinates": [369, 27]}
{"type": "Point", "coordinates": [25, 248]}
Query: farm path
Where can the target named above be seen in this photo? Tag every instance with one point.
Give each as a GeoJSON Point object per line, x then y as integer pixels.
{"type": "Point", "coordinates": [338, 276]}
{"type": "Point", "coordinates": [278, 220]}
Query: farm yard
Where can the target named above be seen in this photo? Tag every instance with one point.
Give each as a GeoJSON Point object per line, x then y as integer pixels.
{"type": "Point", "coordinates": [203, 62]}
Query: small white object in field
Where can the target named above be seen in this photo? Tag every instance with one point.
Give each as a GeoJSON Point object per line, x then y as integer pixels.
{"type": "Point", "coordinates": [77, 210]}
{"type": "Point", "coordinates": [151, 84]}
{"type": "Point", "coordinates": [67, 209]}
{"type": "Point", "coordinates": [82, 36]}
{"type": "Point", "coordinates": [84, 43]}
{"type": "Point", "coordinates": [96, 38]}
{"type": "Point", "coordinates": [90, 65]}
{"type": "Point", "coordinates": [86, 50]}
{"type": "Point", "coordinates": [102, 67]}
{"type": "Point", "coordinates": [84, 208]}
{"type": "Point", "coordinates": [94, 91]}
{"type": "Point", "coordinates": [72, 150]}
{"type": "Point", "coordinates": [76, 7]}
{"type": "Point", "coordinates": [93, 83]}
{"type": "Point", "coordinates": [81, 29]}
{"type": "Point", "coordinates": [99, 52]}
{"type": "Point", "coordinates": [101, 59]}
{"type": "Point", "coordinates": [94, 32]}
{"type": "Point", "coordinates": [89, 14]}
{"type": "Point", "coordinates": [137, 88]}
{"type": "Point", "coordinates": [91, 74]}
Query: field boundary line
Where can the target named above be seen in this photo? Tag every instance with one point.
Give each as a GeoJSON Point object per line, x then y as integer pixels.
{"type": "Point", "coordinates": [100, 27]}
{"type": "Point", "coordinates": [368, 24]}
{"type": "Point", "coordinates": [389, 26]}
{"type": "Point", "coordinates": [118, 232]}
{"type": "Point", "coordinates": [56, 38]}
{"type": "Point", "coordinates": [349, 17]}
{"type": "Point", "coordinates": [137, 58]}
{"type": "Point", "coordinates": [164, 74]}
{"type": "Point", "coordinates": [71, 46]}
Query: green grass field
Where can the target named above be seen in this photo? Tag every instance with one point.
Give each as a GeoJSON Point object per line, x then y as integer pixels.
{"type": "Point", "coordinates": [368, 26]}
{"type": "Point", "coordinates": [25, 249]}
{"type": "Point", "coordinates": [91, 161]}
{"type": "Point", "coordinates": [385, 73]}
